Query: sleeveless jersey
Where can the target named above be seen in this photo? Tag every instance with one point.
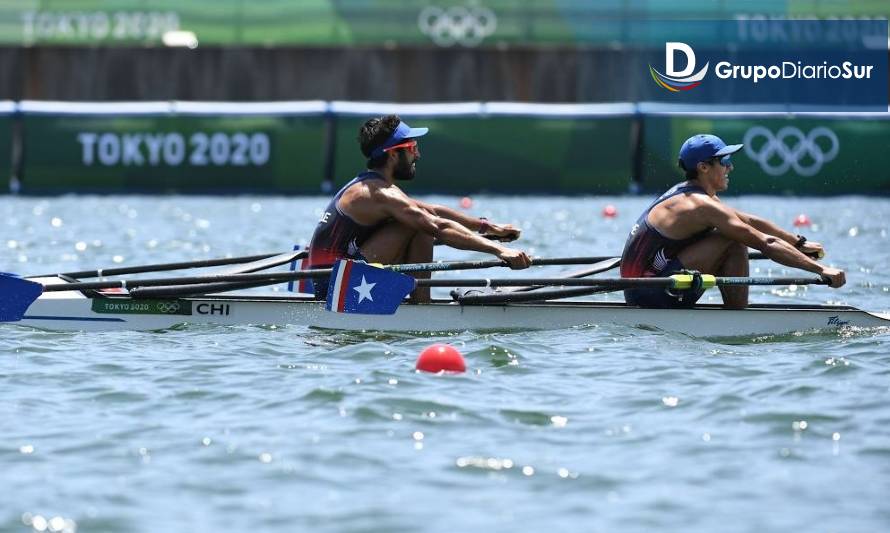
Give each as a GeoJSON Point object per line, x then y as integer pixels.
{"type": "Point", "coordinates": [647, 252]}
{"type": "Point", "coordinates": [338, 236]}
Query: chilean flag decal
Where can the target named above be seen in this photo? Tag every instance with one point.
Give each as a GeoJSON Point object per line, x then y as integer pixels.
{"type": "Point", "coordinates": [357, 287]}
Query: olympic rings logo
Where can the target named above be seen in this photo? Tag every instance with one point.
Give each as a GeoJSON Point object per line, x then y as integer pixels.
{"type": "Point", "coordinates": [466, 26]}
{"type": "Point", "coordinates": [790, 148]}
{"type": "Point", "coordinates": [168, 308]}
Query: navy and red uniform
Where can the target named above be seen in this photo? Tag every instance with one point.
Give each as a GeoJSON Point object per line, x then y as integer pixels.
{"type": "Point", "coordinates": [337, 236]}
{"type": "Point", "coordinates": [648, 253]}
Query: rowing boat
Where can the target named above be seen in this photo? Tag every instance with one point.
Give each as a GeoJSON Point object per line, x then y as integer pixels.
{"type": "Point", "coordinates": [63, 302]}
{"type": "Point", "coordinates": [75, 311]}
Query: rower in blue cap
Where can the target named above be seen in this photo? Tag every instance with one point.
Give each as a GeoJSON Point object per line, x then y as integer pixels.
{"type": "Point", "coordinates": [372, 219]}
{"type": "Point", "coordinates": [688, 227]}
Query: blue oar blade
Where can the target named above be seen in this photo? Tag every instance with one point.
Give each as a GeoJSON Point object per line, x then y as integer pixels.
{"type": "Point", "coordinates": [357, 287]}
{"type": "Point", "coordinates": [16, 295]}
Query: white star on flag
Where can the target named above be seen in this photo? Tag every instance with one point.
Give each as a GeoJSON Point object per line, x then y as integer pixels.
{"type": "Point", "coordinates": [364, 290]}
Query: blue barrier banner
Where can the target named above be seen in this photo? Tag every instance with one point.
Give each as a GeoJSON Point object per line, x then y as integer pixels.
{"type": "Point", "coordinates": [764, 64]}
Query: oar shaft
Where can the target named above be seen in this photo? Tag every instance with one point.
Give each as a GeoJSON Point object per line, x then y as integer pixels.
{"type": "Point", "coordinates": [549, 282]}
{"type": "Point", "coordinates": [614, 283]}
{"type": "Point", "coordinates": [139, 269]}
{"type": "Point", "coordinates": [414, 267]}
{"type": "Point", "coordinates": [438, 266]}
{"type": "Point", "coordinates": [269, 277]}
{"type": "Point", "coordinates": [770, 281]}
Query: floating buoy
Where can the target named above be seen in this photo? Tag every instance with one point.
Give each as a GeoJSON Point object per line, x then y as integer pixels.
{"type": "Point", "coordinates": [441, 358]}
{"type": "Point", "coordinates": [466, 202]}
{"type": "Point", "coordinates": [610, 212]}
{"type": "Point", "coordinates": [802, 220]}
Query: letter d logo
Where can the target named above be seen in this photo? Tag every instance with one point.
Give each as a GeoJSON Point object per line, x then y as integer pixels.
{"type": "Point", "coordinates": [670, 50]}
{"type": "Point", "coordinates": [674, 80]}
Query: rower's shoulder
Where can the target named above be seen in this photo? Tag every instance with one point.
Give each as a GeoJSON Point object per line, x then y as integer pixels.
{"type": "Point", "coordinates": [701, 200]}
{"type": "Point", "coordinates": [368, 188]}
{"type": "Point", "coordinates": [383, 193]}
{"type": "Point", "coordinates": [684, 200]}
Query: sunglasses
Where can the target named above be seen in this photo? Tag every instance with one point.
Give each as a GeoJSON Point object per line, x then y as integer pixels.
{"type": "Point", "coordinates": [408, 145]}
{"type": "Point", "coordinates": [724, 161]}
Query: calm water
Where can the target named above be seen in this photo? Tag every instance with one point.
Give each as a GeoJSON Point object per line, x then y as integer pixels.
{"type": "Point", "coordinates": [290, 429]}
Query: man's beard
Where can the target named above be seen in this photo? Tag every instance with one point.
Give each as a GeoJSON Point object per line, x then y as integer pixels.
{"type": "Point", "coordinates": [404, 170]}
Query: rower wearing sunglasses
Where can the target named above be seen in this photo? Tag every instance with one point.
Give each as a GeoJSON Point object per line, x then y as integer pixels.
{"type": "Point", "coordinates": [689, 228]}
{"type": "Point", "coordinates": [372, 219]}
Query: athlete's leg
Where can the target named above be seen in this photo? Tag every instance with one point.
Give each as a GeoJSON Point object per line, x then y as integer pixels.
{"type": "Point", "coordinates": [396, 243]}
{"type": "Point", "coordinates": [389, 244]}
{"type": "Point", "coordinates": [420, 250]}
{"type": "Point", "coordinates": [735, 264]}
{"type": "Point", "coordinates": [720, 256]}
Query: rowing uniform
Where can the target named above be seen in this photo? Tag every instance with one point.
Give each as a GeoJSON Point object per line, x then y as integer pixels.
{"type": "Point", "coordinates": [648, 253]}
{"type": "Point", "coordinates": [337, 236]}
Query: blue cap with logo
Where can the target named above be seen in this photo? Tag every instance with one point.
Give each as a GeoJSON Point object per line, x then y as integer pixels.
{"type": "Point", "coordinates": [401, 133]}
{"type": "Point", "coordinates": [702, 147]}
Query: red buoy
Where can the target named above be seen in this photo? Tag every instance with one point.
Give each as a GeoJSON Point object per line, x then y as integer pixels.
{"type": "Point", "coordinates": [441, 358]}
{"type": "Point", "coordinates": [610, 211]}
{"type": "Point", "coordinates": [802, 220]}
{"type": "Point", "coordinates": [466, 202]}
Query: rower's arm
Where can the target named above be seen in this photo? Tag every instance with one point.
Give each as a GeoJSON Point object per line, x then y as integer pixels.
{"type": "Point", "coordinates": [464, 219]}
{"type": "Point", "coordinates": [415, 215]}
{"type": "Point", "coordinates": [733, 224]}
{"type": "Point", "coordinates": [505, 232]}
{"type": "Point", "coordinates": [810, 248]}
{"type": "Point", "coordinates": [765, 226]}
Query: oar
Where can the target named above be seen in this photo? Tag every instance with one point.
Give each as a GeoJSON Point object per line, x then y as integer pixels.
{"type": "Point", "coordinates": [160, 267]}
{"type": "Point", "coordinates": [277, 277]}
{"type": "Point", "coordinates": [267, 278]}
{"type": "Point", "coordinates": [24, 293]}
{"type": "Point", "coordinates": [677, 281]}
{"type": "Point", "coordinates": [440, 266]}
{"type": "Point", "coordinates": [217, 286]}
{"type": "Point", "coordinates": [602, 266]}
{"type": "Point", "coordinates": [609, 264]}
{"type": "Point", "coordinates": [602, 262]}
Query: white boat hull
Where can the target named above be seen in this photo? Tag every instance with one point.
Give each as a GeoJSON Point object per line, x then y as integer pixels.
{"type": "Point", "coordinates": [72, 311]}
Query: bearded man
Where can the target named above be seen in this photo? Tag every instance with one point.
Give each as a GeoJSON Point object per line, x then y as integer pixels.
{"type": "Point", "coordinates": [371, 219]}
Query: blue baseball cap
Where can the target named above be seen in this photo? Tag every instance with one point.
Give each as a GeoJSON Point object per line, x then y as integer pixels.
{"type": "Point", "coordinates": [702, 147]}
{"type": "Point", "coordinates": [402, 132]}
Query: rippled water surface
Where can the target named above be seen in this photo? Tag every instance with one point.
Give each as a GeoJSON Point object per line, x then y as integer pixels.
{"type": "Point", "coordinates": [289, 429]}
